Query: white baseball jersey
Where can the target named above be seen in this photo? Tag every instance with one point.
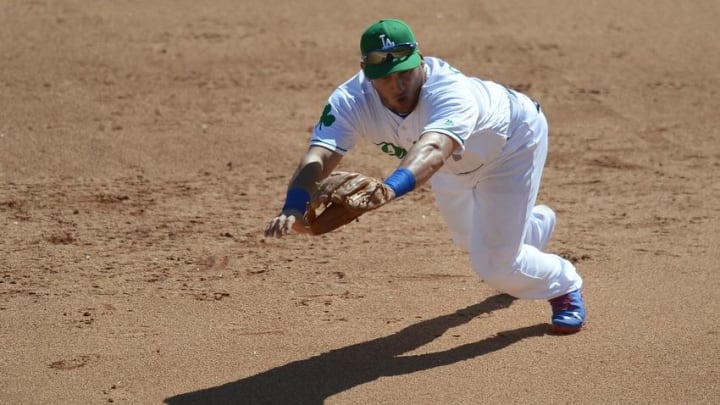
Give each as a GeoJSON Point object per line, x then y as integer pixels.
{"type": "Point", "coordinates": [486, 193]}
{"type": "Point", "coordinates": [474, 112]}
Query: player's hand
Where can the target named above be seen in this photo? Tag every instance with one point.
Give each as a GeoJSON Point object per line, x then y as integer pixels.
{"type": "Point", "coordinates": [286, 223]}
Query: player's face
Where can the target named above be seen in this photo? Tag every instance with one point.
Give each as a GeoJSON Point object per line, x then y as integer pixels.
{"type": "Point", "coordinates": [400, 91]}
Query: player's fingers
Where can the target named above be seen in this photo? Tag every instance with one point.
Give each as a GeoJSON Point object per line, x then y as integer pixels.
{"type": "Point", "coordinates": [284, 225]}
{"type": "Point", "coordinates": [269, 228]}
{"type": "Point", "coordinates": [274, 227]}
{"type": "Point", "coordinates": [287, 225]}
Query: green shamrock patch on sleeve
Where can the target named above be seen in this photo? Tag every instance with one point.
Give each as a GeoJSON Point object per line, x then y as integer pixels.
{"type": "Point", "coordinates": [326, 119]}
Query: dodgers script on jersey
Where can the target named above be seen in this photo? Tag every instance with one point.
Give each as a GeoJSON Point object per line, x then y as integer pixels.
{"type": "Point", "coordinates": [474, 112]}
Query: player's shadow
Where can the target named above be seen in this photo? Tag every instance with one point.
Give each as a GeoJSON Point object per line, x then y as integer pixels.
{"type": "Point", "coordinates": [313, 380]}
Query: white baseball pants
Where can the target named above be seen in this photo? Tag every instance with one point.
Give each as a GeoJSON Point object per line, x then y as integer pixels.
{"type": "Point", "coordinates": [491, 213]}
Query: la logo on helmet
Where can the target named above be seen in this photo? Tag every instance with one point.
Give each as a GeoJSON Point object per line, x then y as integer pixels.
{"type": "Point", "coordinates": [387, 42]}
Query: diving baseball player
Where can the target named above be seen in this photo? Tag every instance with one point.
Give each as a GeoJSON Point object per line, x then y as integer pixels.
{"type": "Point", "coordinates": [481, 145]}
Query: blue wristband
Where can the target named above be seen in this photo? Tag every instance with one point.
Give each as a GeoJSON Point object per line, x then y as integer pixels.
{"type": "Point", "coordinates": [401, 181]}
{"type": "Point", "coordinates": [296, 199]}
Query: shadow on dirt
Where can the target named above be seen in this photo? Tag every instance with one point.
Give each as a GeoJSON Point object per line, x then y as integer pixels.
{"type": "Point", "coordinates": [313, 380]}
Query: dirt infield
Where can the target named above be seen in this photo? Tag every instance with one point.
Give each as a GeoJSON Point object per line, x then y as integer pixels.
{"type": "Point", "coordinates": [144, 145]}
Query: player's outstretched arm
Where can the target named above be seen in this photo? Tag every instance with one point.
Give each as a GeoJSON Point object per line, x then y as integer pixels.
{"type": "Point", "coordinates": [317, 164]}
{"type": "Point", "coordinates": [425, 158]}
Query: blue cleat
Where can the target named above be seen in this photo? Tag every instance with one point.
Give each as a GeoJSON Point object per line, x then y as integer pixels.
{"type": "Point", "coordinates": [568, 312]}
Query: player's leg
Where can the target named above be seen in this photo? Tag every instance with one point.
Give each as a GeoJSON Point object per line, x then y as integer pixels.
{"type": "Point", "coordinates": [509, 230]}
{"type": "Point", "coordinates": [540, 226]}
{"type": "Point", "coordinates": [455, 203]}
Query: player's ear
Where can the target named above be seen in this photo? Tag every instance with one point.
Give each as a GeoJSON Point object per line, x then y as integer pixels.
{"type": "Point", "coordinates": [362, 65]}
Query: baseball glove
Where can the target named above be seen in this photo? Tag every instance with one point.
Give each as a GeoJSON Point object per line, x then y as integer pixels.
{"type": "Point", "coordinates": [341, 198]}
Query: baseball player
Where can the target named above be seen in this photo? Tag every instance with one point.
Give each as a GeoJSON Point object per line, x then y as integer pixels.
{"type": "Point", "coordinates": [482, 147]}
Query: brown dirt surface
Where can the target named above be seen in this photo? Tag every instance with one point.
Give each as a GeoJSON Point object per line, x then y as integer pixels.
{"type": "Point", "coordinates": [144, 145]}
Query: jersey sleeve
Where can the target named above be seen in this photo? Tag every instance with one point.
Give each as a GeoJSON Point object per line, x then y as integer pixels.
{"type": "Point", "coordinates": [336, 130]}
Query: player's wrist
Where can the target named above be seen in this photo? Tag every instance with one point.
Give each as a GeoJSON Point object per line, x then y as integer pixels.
{"type": "Point", "coordinates": [401, 181]}
{"type": "Point", "coordinates": [297, 200]}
